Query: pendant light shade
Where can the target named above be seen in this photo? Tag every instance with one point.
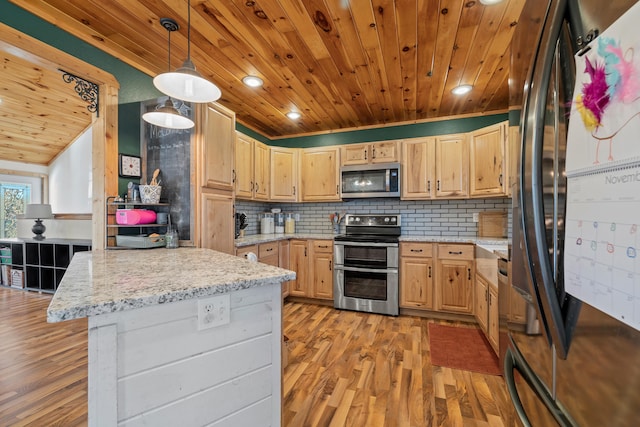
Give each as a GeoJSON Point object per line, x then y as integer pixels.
{"type": "Point", "coordinates": [186, 83]}
{"type": "Point", "coordinates": [168, 116]}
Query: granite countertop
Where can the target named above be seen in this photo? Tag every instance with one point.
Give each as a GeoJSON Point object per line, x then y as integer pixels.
{"type": "Point", "coordinates": [255, 239]}
{"type": "Point", "coordinates": [107, 281]}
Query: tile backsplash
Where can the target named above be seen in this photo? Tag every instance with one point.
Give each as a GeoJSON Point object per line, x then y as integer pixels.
{"type": "Point", "coordinates": [419, 218]}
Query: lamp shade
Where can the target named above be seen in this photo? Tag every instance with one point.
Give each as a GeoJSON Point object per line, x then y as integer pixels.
{"type": "Point", "coordinates": [168, 116]}
{"type": "Point", "coordinates": [38, 211]}
{"type": "Point", "coordinates": [187, 84]}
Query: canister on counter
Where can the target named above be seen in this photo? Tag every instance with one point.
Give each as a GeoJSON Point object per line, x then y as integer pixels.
{"type": "Point", "coordinates": [289, 223]}
{"type": "Point", "coordinates": [279, 222]}
{"type": "Point", "coordinates": [266, 223]}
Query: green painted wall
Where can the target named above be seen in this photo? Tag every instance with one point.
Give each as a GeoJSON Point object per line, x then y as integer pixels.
{"type": "Point", "coordinates": [136, 86]}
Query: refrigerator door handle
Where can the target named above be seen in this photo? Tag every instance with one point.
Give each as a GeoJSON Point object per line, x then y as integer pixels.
{"type": "Point", "coordinates": [514, 361]}
{"type": "Point", "coordinates": [537, 250]}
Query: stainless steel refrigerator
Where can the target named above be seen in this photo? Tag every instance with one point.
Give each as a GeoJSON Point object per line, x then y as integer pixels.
{"type": "Point", "coordinates": [583, 368]}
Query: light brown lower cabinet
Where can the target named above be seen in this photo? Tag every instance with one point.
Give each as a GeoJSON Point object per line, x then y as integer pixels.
{"type": "Point", "coordinates": [416, 275]}
{"type": "Point", "coordinates": [486, 309]}
{"type": "Point", "coordinates": [299, 262]}
{"type": "Point", "coordinates": [283, 254]}
{"type": "Point", "coordinates": [454, 273]}
{"type": "Point", "coordinates": [312, 260]}
{"type": "Point", "coordinates": [322, 269]}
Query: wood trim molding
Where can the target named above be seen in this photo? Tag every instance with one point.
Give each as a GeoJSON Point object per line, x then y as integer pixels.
{"type": "Point", "coordinates": [105, 123]}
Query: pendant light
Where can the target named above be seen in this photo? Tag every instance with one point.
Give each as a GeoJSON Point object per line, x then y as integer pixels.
{"type": "Point", "coordinates": [167, 115]}
{"type": "Point", "coordinates": [186, 83]}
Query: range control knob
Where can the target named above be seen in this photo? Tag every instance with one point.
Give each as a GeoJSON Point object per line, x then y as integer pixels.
{"type": "Point", "coordinates": [386, 219]}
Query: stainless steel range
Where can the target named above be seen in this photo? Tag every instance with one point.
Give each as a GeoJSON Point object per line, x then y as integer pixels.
{"type": "Point", "coordinates": [366, 264]}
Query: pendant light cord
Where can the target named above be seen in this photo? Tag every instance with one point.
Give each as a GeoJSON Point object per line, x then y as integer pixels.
{"type": "Point", "coordinates": [189, 30]}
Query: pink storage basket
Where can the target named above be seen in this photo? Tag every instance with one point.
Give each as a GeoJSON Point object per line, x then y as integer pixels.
{"type": "Point", "coordinates": [135, 216]}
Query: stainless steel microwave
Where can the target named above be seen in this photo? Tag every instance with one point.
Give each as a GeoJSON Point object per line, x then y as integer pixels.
{"type": "Point", "coordinates": [378, 180]}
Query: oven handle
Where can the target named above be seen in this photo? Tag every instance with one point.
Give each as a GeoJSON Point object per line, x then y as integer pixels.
{"type": "Point", "coordinates": [366, 270]}
{"type": "Point", "coordinates": [386, 245]}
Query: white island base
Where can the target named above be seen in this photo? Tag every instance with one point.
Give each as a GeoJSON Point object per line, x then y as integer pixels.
{"type": "Point", "coordinates": [151, 360]}
{"type": "Point", "coordinates": [153, 367]}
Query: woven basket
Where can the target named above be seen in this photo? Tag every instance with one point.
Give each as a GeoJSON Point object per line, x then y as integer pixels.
{"type": "Point", "coordinates": [150, 193]}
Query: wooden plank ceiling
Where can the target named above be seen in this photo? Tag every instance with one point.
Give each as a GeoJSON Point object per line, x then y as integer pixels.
{"type": "Point", "coordinates": [40, 114]}
{"type": "Point", "coordinates": [342, 64]}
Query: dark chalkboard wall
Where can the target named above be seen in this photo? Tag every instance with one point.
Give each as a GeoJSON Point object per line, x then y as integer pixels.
{"type": "Point", "coordinates": [170, 151]}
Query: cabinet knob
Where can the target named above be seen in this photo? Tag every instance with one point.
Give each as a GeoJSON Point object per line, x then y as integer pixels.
{"type": "Point", "coordinates": [374, 153]}
{"type": "Point", "coordinates": [416, 250]}
{"type": "Point", "coordinates": [469, 270]}
{"type": "Point", "coordinates": [438, 185]}
{"type": "Point", "coordinates": [294, 190]}
{"type": "Point", "coordinates": [429, 271]}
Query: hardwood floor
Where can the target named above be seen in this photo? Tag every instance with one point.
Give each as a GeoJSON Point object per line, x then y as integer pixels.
{"type": "Point", "coordinates": [345, 369]}
{"type": "Point", "coordinates": [355, 369]}
{"type": "Point", "coordinates": [43, 367]}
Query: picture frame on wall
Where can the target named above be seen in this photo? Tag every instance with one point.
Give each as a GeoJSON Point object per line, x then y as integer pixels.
{"type": "Point", "coordinates": [129, 166]}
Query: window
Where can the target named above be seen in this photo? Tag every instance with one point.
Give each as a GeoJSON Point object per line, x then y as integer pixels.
{"type": "Point", "coordinates": [13, 200]}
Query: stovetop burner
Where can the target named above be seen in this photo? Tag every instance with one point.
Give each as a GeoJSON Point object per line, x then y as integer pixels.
{"type": "Point", "coordinates": [371, 228]}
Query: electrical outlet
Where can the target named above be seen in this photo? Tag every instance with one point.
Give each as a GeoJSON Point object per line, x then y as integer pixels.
{"type": "Point", "coordinates": [214, 311]}
{"type": "Point", "coordinates": [476, 217]}
{"type": "Point", "coordinates": [297, 217]}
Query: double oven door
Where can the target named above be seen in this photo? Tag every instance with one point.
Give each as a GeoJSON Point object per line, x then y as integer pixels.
{"type": "Point", "coordinates": [366, 277]}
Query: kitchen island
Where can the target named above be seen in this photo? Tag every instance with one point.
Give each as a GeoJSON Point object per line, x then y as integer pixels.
{"type": "Point", "coordinates": [182, 336]}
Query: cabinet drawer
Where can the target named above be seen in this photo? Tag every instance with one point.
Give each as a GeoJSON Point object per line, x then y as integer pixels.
{"type": "Point", "coordinates": [465, 252]}
{"type": "Point", "coordinates": [416, 249]}
{"type": "Point", "coordinates": [322, 246]}
{"type": "Point", "coordinates": [243, 251]}
{"type": "Point", "coordinates": [267, 249]}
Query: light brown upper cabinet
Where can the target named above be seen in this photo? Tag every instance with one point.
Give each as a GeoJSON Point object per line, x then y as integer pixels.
{"type": "Point", "coordinates": [218, 134]}
{"type": "Point", "coordinates": [418, 169]}
{"type": "Point", "coordinates": [284, 174]}
{"type": "Point", "coordinates": [252, 169]}
{"type": "Point", "coordinates": [320, 174]}
{"type": "Point", "coordinates": [488, 147]}
{"type": "Point", "coordinates": [452, 166]}
{"type": "Point", "coordinates": [362, 154]}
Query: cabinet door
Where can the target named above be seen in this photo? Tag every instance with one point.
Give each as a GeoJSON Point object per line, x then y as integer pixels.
{"type": "Point", "coordinates": [487, 161]}
{"type": "Point", "coordinates": [481, 299]}
{"type": "Point", "coordinates": [217, 221]}
{"type": "Point", "coordinates": [493, 327]}
{"type": "Point", "coordinates": [320, 174]}
{"type": "Point", "coordinates": [455, 293]}
{"type": "Point", "coordinates": [244, 167]}
{"type": "Point", "coordinates": [418, 168]}
{"type": "Point", "coordinates": [243, 251]}
{"type": "Point", "coordinates": [218, 145]}
{"type": "Point", "coordinates": [416, 283]}
{"type": "Point", "coordinates": [322, 274]}
{"type": "Point", "coordinates": [299, 262]}
{"type": "Point", "coordinates": [452, 166]}
{"type": "Point", "coordinates": [284, 176]}
{"type": "Point", "coordinates": [283, 255]}
{"type": "Point", "coordinates": [355, 154]}
{"type": "Point", "coordinates": [385, 152]}
{"type": "Point", "coordinates": [261, 171]}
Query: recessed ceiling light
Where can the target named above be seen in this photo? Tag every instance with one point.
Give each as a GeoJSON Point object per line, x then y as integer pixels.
{"type": "Point", "coordinates": [490, 2]}
{"type": "Point", "coordinates": [461, 90]}
{"type": "Point", "coordinates": [293, 115]}
{"type": "Point", "coordinates": [252, 81]}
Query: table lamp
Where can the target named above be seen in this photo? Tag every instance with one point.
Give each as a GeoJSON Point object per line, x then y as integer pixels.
{"type": "Point", "coordinates": [38, 212]}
